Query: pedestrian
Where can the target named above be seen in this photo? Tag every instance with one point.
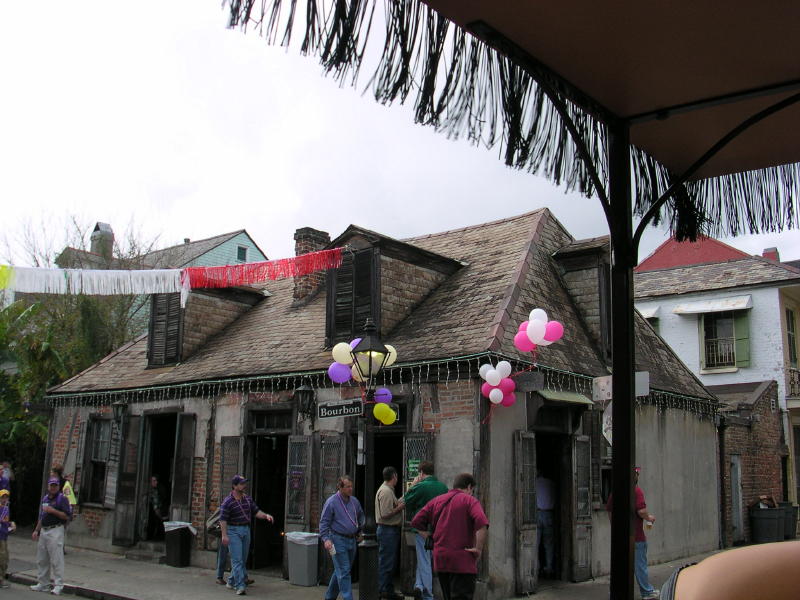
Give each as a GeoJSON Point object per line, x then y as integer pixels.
{"type": "Point", "coordinates": [65, 487]}
{"type": "Point", "coordinates": [157, 505]}
{"type": "Point", "coordinates": [6, 526]}
{"type": "Point", "coordinates": [54, 513]}
{"type": "Point", "coordinates": [389, 517]}
{"type": "Point", "coordinates": [236, 513]}
{"type": "Point", "coordinates": [340, 529]}
{"type": "Point", "coordinates": [640, 517]}
{"type": "Point", "coordinates": [545, 530]}
{"type": "Point", "coordinates": [424, 488]}
{"type": "Point", "coordinates": [6, 475]}
{"type": "Point", "coordinates": [459, 533]}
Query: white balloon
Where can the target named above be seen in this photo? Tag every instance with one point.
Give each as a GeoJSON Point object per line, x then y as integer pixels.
{"type": "Point", "coordinates": [536, 330]}
{"type": "Point", "coordinates": [392, 355]}
{"type": "Point", "coordinates": [504, 368]}
{"type": "Point", "coordinates": [341, 353]}
{"type": "Point", "coordinates": [537, 314]}
{"type": "Point", "coordinates": [496, 396]}
{"type": "Point", "coordinates": [493, 377]}
{"type": "Point", "coordinates": [484, 370]}
{"type": "Point", "coordinates": [544, 343]}
{"type": "Point", "coordinates": [356, 373]}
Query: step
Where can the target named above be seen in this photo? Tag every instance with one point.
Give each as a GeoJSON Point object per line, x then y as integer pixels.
{"type": "Point", "coordinates": [145, 556]}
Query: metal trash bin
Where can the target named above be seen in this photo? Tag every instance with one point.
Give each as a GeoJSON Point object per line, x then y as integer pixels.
{"type": "Point", "coordinates": [178, 539]}
{"type": "Point", "coordinates": [789, 520]}
{"type": "Point", "coordinates": [302, 554]}
{"type": "Point", "coordinates": [766, 525]}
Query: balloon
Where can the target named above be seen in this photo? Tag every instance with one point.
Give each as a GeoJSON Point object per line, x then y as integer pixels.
{"type": "Point", "coordinates": [523, 343]}
{"type": "Point", "coordinates": [484, 370]}
{"type": "Point", "coordinates": [496, 396]}
{"type": "Point", "coordinates": [493, 378]}
{"type": "Point", "coordinates": [339, 373]}
{"type": "Point", "coordinates": [545, 343]}
{"type": "Point", "coordinates": [383, 395]}
{"type": "Point", "coordinates": [504, 368]}
{"type": "Point", "coordinates": [554, 331]}
{"type": "Point", "coordinates": [392, 355]}
{"type": "Point", "coordinates": [507, 385]}
{"type": "Point", "coordinates": [380, 411]}
{"type": "Point", "coordinates": [523, 326]}
{"type": "Point", "coordinates": [356, 373]}
{"type": "Point", "coordinates": [509, 399]}
{"type": "Point", "coordinates": [485, 389]}
{"type": "Point", "coordinates": [355, 342]}
{"type": "Point", "coordinates": [537, 314]}
{"type": "Point", "coordinates": [536, 331]}
{"type": "Point", "coordinates": [341, 353]}
{"type": "Point", "coordinates": [390, 418]}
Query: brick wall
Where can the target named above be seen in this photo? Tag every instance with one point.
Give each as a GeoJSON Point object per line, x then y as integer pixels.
{"type": "Point", "coordinates": [760, 446]}
{"type": "Point", "coordinates": [403, 286]}
{"type": "Point", "coordinates": [199, 491]}
{"type": "Point", "coordinates": [447, 402]}
{"type": "Point", "coordinates": [308, 240]}
{"type": "Point", "coordinates": [206, 316]}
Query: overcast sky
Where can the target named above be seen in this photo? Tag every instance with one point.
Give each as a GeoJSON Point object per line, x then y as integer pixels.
{"type": "Point", "coordinates": [154, 111]}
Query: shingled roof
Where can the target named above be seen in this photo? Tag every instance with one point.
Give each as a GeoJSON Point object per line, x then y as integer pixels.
{"type": "Point", "coordinates": [509, 270]}
{"type": "Point", "coordinates": [744, 272]}
{"type": "Point", "coordinates": [180, 255]}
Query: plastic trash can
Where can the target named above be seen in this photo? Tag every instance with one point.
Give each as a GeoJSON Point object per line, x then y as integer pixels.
{"type": "Point", "coordinates": [303, 552]}
{"type": "Point", "coordinates": [178, 539]}
{"type": "Point", "coordinates": [766, 525]}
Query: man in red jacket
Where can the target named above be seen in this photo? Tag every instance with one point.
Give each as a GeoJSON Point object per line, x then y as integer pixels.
{"type": "Point", "coordinates": [459, 534]}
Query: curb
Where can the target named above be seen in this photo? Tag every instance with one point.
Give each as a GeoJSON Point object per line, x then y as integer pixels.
{"type": "Point", "coordinates": [71, 589]}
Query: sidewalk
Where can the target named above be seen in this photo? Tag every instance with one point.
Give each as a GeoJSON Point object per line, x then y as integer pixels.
{"type": "Point", "coordinates": [105, 576]}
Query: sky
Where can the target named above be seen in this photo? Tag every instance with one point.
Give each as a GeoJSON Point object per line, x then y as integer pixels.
{"type": "Point", "coordinates": [154, 113]}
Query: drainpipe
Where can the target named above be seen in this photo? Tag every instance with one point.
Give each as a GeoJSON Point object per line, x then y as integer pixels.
{"type": "Point", "coordinates": [722, 425]}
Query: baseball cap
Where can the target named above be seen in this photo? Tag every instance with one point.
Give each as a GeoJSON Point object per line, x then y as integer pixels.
{"type": "Point", "coordinates": [237, 479]}
{"type": "Point", "coordinates": [54, 481]}
{"type": "Point", "coordinates": [5, 493]}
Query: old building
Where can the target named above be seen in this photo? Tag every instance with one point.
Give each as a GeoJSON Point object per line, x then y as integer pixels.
{"type": "Point", "coordinates": [233, 383]}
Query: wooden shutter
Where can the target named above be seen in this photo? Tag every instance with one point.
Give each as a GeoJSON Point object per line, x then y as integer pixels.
{"type": "Point", "coordinates": [182, 467]}
{"type": "Point", "coordinates": [582, 540]}
{"type": "Point", "coordinates": [125, 509]}
{"type": "Point", "coordinates": [229, 463]}
{"type": "Point", "coordinates": [527, 553]}
{"type": "Point", "coordinates": [112, 466]}
{"type": "Point", "coordinates": [332, 450]}
{"type": "Point", "coordinates": [741, 331]}
{"type": "Point", "coordinates": [363, 286]}
{"type": "Point", "coordinates": [593, 425]}
{"type": "Point", "coordinates": [80, 462]}
{"type": "Point", "coordinates": [163, 344]}
{"type": "Point", "coordinates": [701, 335]}
{"type": "Point", "coordinates": [298, 486]}
{"type": "Point", "coordinates": [353, 296]}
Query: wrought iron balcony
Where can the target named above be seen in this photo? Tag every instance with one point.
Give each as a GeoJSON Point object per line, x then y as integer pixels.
{"type": "Point", "coordinates": [720, 352]}
{"type": "Point", "coordinates": [794, 382]}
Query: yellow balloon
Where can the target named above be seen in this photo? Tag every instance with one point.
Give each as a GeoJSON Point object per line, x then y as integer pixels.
{"type": "Point", "coordinates": [381, 411]}
{"type": "Point", "coordinates": [390, 418]}
{"type": "Point", "coordinates": [341, 353]}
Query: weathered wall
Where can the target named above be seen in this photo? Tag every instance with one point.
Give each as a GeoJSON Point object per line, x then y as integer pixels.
{"type": "Point", "coordinates": [403, 286]}
{"type": "Point", "coordinates": [205, 316]}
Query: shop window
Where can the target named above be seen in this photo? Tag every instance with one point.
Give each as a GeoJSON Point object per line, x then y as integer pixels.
{"type": "Point", "coordinates": [98, 445]}
{"type": "Point", "coordinates": [724, 340]}
{"type": "Point", "coordinates": [166, 325]}
{"type": "Point", "coordinates": [353, 296]}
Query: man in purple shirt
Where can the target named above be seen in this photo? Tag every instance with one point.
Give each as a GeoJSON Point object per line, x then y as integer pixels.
{"type": "Point", "coordinates": [340, 529]}
{"type": "Point", "coordinates": [54, 512]}
{"type": "Point", "coordinates": [235, 515]}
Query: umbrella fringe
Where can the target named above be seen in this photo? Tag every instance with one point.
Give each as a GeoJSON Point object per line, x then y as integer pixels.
{"type": "Point", "coordinates": [464, 88]}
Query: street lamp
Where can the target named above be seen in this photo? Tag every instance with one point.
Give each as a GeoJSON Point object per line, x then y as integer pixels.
{"type": "Point", "coordinates": [370, 356]}
{"type": "Point", "coordinates": [304, 395]}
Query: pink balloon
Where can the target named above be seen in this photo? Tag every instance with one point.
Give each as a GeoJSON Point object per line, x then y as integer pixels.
{"type": "Point", "coordinates": [554, 331]}
{"type": "Point", "coordinates": [509, 399]}
{"type": "Point", "coordinates": [485, 389]}
{"type": "Point", "coordinates": [522, 342]}
{"type": "Point", "coordinates": [523, 326]}
{"type": "Point", "coordinates": [508, 385]}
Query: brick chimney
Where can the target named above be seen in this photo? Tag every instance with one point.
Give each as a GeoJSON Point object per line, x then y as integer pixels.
{"type": "Point", "coordinates": [771, 254]}
{"type": "Point", "coordinates": [102, 240]}
{"type": "Point", "coordinates": [308, 240]}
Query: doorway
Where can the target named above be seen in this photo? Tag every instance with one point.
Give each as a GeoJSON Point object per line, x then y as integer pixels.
{"type": "Point", "coordinates": [550, 464]}
{"type": "Point", "coordinates": [268, 488]}
{"type": "Point", "coordinates": [159, 463]}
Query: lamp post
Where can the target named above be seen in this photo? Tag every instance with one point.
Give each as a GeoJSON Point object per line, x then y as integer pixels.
{"type": "Point", "coordinates": [370, 357]}
{"type": "Point", "coordinates": [305, 395]}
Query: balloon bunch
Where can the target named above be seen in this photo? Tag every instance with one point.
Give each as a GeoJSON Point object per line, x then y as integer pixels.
{"type": "Point", "coordinates": [498, 387]}
{"type": "Point", "coordinates": [382, 411]}
{"type": "Point", "coordinates": [343, 369]}
{"type": "Point", "coordinates": [537, 331]}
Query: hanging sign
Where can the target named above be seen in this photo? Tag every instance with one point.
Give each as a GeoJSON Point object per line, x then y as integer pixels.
{"type": "Point", "coordinates": [343, 408]}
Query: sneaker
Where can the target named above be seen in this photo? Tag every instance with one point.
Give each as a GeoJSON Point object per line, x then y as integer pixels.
{"type": "Point", "coordinates": [57, 590]}
{"type": "Point", "coordinates": [249, 581]}
{"type": "Point", "coordinates": [229, 585]}
{"type": "Point", "coordinates": [220, 581]}
{"type": "Point", "coordinates": [241, 592]}
{"type": "Point", "coordinates": [652, 595]}
{"type": "Point", "coordinates": [38, 587]}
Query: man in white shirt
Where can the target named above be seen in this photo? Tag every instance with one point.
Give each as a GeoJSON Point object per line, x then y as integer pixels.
{"type": "Point", "coordinates": [388, 515]}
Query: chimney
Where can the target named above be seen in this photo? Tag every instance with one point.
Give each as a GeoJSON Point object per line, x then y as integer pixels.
{"type": "Point", "coordinates": [186, 240]}
{"type": "Point", "coordinates": [771, 254]}
{"type": "Point", "coordinates": [102, 240]}
{"type": "Point", "coordinates": [308, 240]}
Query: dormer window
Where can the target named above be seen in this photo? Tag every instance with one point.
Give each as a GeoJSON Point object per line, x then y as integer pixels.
{"type": "Point", "coordinates": [353, 295]}
{"type": "Point", "coordinates": [166, 325]}
{"type": "Point", "coordinates": [241, 254]}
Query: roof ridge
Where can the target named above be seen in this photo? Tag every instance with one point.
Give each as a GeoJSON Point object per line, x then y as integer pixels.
{"type": "Point", "coordinates": [476, 226]}
{"type": "Point", "coordinates": [231, 233]}
{"type": "Point", "coordinates": [695, 265]}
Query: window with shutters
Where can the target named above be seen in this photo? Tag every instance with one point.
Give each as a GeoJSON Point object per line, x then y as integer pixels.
{"type": "Point", "coordinates": [724, 340]}
{"type": "Point", "coordinates": [166, 327]}
{"type": "Point", "coordinates": [98, 445]}
{"type": "Point", "coordinates": [353, 296]}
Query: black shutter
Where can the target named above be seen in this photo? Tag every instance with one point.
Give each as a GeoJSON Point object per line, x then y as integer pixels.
{"type": "Point", "coordinates": [362, 291]}
{"type": "Point", "coordinates": [353, 296]}
{"type": "Point", "coordinates": [164, 341]}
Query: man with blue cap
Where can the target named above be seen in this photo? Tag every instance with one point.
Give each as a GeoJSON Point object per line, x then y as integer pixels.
{"type": "Point", "coordinates": [54, 513]}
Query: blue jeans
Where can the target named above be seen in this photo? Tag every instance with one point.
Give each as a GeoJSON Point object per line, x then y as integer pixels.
{"type": "Point", "coordinates": [388, 541]}
{"type": "Point", "coordinates": [640, 569]}
{"type": "Point", "coordinates": [222, 560]}
{"type": "Point", "coordinates": [239, 537]}
{"type": "Point", "coordinates": [342, 564]}
{"type": "Point", "coordinates": [545, 534]}
{"type": "Point", "coordinates": [424, 580]}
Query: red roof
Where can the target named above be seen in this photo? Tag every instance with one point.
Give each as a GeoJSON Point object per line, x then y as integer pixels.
{"type": "Point", "coordinates": [673, 253]}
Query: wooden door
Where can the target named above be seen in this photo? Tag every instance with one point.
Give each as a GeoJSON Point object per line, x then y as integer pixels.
{"type": "Point", "coordinates": [125, 509]}
{"type": "Point", "coordinates": [332, 453]}
{"type": "Point", "coordinates": [527, 552]}
{"type": "Point", "coordinates": [183, 463]}
{"type": "Point", "coordinates": [582, 509]}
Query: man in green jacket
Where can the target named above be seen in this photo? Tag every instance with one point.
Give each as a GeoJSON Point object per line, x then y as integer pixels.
{"type": "Point", "coordinates": [424, 488]}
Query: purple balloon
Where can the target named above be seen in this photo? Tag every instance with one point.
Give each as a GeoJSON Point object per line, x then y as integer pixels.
{"type": "Point", "coordinates": [383, 395]}
{"type": "Point", "coordinates": [339, 373]}
{"type": "Point", "coordinates": [355, 342]}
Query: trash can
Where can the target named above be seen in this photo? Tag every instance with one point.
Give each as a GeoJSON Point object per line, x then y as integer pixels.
{"type": "Point", "coordinates": [766, 525]}
{"type": "Point", "coordinates": [789, 520]}
{"type": "Point", "coordinates": [178, 539]}
{"type": "Point", "coordinates": [303, 552]}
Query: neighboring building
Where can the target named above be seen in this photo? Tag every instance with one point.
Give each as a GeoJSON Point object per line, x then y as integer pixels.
{"type": "Point", "coordinates": [733, 322]}
{"type": "Point", "coordinates": [231, 394]}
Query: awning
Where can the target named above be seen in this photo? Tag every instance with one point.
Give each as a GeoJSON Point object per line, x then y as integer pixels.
{"type": "Point", "coordinates": [717, 305]}
{"type": "Point", "coordinates": [570, 397]}
{"type": "Point", "coordinates": [649, 313]}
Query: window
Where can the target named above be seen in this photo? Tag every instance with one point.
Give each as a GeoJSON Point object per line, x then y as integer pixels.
{"type": "Point", "coordinates": [166, 324]}
{"type": "Point", "coordinates": [791, 337]}
{"type": "Point", "coordinates": [98, 443]}
{"type": "Point", "coordinates": [241, 253]}
{"type": "Point", "coordinates": [353, 296]}
{"type": "Point", "coordinates": [724, 340]}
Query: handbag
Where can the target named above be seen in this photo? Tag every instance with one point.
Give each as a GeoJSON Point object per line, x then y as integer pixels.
{"type": "Point", "coordinates": [432, 525]}
{"type": "Point", "coordinates": [212, 524]}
